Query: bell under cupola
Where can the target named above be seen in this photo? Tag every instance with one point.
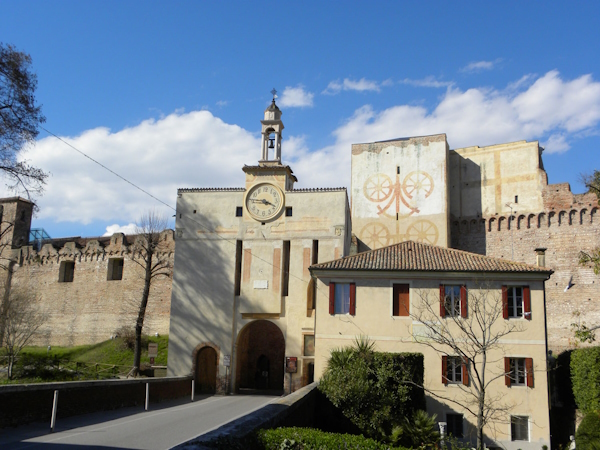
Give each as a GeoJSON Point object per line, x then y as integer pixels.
{"type": "Point", "coordinates": [271, 134]}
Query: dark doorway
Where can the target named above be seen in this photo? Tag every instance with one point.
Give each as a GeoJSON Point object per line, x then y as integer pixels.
{"type": "Point", "coordinates": [206, 370]}
{"type": "Point", "coordinates": [260, 357]}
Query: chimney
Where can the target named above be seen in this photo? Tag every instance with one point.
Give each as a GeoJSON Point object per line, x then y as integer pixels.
{"type": "Point", "coordinates": [540, 258]}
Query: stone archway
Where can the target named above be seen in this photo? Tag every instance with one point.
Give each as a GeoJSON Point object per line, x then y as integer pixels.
{"type": "Point", "coordinates": [260, 357]}
{"type": "Point", "coordinates": [206, 370]}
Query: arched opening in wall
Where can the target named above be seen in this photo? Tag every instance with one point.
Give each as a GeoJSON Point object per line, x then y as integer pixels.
{"type": "Point", "coordinates": [260, 357]}
{"type": "Point", "coordinates": [206, 370]}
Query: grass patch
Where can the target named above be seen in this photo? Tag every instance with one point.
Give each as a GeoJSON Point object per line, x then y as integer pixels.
{"type": "Point", "coordinates": [60, 363]}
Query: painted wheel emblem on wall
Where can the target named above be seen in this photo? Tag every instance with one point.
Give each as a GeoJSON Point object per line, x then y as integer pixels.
{"type": "Point", "coordinates": [379, 188]}
{"type": "Point", "coordinates": [422, 231]}
{"type": "Point", "coordinates": [375, 235]}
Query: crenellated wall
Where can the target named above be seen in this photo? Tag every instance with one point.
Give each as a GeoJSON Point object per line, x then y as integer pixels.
{"type": "Point", "coordinates": [569, 224]}
{"type": "Point", "coordinates": [92, 307]}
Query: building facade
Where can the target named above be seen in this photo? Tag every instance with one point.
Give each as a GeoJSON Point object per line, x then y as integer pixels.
{"type": "Point", "coordinates": [478, 321]}
{"type": "Point", "coordinates": [243, 298]}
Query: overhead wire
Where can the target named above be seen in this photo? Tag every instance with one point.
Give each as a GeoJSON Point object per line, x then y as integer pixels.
{"type": "Point", "coordinates": [230, 241]}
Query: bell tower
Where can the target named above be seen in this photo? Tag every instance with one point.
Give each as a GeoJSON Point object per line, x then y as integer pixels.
{"type": "Point", "coordinates": [271, 134]}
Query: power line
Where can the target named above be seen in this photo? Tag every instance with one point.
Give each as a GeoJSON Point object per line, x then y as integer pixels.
{"type": "Point", "coordinates": [230, 241]}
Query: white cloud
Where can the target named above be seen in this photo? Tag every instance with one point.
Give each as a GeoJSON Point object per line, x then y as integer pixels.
{"type": "Point", "coordinates": [478, 66]}
{"type": "Point", "coordinates": [428, 82]}
{"type": "Point", "coordinates": [180, 150]}
{"type": "Point", "coordinates": [552, 110]}
{"type": "Point", "coordinates": [222, 103]}
{"type": "Point", "coordinates": [197, 149]}
{"type": "Point", "coordinates": [116, 228]}
{"type": "Point", "coordinates": [354, 85]}
{"type": "Point", "coordinates": [296, 97]}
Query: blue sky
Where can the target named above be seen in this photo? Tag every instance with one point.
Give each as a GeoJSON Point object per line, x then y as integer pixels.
{"type": "Point", "coordinates": [170, 94]}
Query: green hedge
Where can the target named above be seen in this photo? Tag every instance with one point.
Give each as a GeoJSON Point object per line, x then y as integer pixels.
{"type": "Point", "coordinates": [374, 390]}
{"type": "Point", "coordinates": [585, 376]}
{"type": "Point", "coordinates": [588, 433]}
{"type": "Point", "coordinates": [309, 439]}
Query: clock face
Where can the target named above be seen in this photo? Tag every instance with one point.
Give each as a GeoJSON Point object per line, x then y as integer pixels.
{"type": "Point", "coordinates": [264, 201]}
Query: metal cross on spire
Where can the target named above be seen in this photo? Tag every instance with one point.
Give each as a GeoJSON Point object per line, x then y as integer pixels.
{"type": "Point", "coordinates": [274, 92]}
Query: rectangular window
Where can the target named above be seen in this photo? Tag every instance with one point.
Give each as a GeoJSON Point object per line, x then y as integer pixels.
{"type": "Point", "coordinates": [453, 300]}
{"type": "Point", "coordinates": [455, 425]}
{"type": "Point", "coordinates": [285, 282]}
{"type": "Point", "coordinates": [309, 345]}
{"type": "Point", "coordinates": [288, 211]}
{"type": "Point", "coordinates": [342, 298]}
{"type": "Point", "coordinates": [238, 268]}
{"type": "Point", "coordinates": [238, 211]}
{"type": "Point", "coordinates": [516, 302]}
{"type": "Point", "coordinates": [455, 370]}
{"type": "Point", "coordinates": [401, 300]}
{"type": "Point", "coordinates": [115, 269]}
{"type": "Point", "coordinates": [519, 428]}
{"type": "Point", "coordinates": [66, 271]}
{"type": "Point", "coordinates": [518, 371]}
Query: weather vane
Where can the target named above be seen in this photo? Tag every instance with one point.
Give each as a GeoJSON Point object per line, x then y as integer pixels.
{"type": "Point", "coordinates": [274, 92]}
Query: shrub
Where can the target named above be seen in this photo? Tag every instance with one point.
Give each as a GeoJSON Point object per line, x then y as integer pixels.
{"type": "Point", "coordinates": [374, 390]}
{"type": "Point", "coordinates": [420, 431]}
{"type": "Point", "coordinates": [309, 439]}
{"type": "Point", "coordinates": [585, 376]}
{"type": "Point", "coordinates": [127, 336]}
{"type": "Point", "coordinates": [587, 436]}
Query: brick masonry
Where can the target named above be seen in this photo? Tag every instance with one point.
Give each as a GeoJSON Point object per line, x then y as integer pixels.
{"type": "Point", "coordinates": [569, 223]}
{"type": "Point", "coordinates": [92, 308]}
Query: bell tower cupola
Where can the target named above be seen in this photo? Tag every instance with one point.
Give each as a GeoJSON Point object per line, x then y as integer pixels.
{"type": "Point", "coordinates": [271, 134]}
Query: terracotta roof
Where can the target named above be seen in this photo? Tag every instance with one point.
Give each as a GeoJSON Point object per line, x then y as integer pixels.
{"type": "Point", "coordinates": [415, 256]}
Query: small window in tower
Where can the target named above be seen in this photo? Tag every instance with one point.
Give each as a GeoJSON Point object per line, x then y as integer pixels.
{"type": "Point", "coordinates": [238, 211]}
{"type": "Point", "coordinates": [288, 211]}
{"type": "Point", "coordinates": [66, 272]}
{"type": "Point", "coordinates": [194, 211]}
{"type": "Point", "coordinates": [115, 269]}
{"type": "Point", "coordinates": [398, 170]}
{"type": "Point", "coordinates": [516, 199]}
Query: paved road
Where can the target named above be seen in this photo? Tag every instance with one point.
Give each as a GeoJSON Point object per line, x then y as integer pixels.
{"type": "Point", "coordinates": [164, 426]}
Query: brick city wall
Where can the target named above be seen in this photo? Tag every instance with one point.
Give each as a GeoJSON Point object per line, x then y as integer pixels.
{"type": "Point", "coordinates": [569, 224]}
{"type": "Point", "coordinates": [91, 308]}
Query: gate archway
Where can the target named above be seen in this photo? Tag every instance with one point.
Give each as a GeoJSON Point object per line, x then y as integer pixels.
{"type": "Point", "coordinates": [206, 370]}
{"type": "Point", "coordinates": [260, 357]}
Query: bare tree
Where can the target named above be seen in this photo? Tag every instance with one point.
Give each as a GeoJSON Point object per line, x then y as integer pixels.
{"type": "Point", "coordinates": [150, 253]}
{"type": "Point", "coordinates": [22, 320]}
{"type": "Point", "coordinates": [20, 118]}
{"type": "Point", "coordinates": [476, 340]}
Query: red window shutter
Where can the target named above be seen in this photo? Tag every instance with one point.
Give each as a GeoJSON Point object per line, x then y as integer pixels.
{"type": "Point", "coordinates": [505, 303]}
{"type": "Point", "coordinates": [442, 301]}
{"type": "Point", "coordinates": [465, 371]}
{"type": "Point", "coordinates": [507, 371]}
{"type": "Point", "coordinates": [444, 369]}
{"type": "Point", "coordinates": [527, 302]}
{"type": "Point", "coordinates": [331, 298]}
{"type": "Point", "coordinates": [352, 299]}
{"type": "Point", "coordinates": [463, 301]}
{"type": "Point", "coordinates": [529, 370]}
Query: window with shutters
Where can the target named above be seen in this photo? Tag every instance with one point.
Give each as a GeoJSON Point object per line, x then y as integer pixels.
{"type": "Point", "coordinates": [454, 425]}
{"type": "Point", "coordinates": [342, 298]}
{"type": "Point", "coordinates": [453, 301]}
{"type": "Point", "coordinates": [516, 302]}
{"type": "Point", "coordinates": [519, 428]}
{"type": "Point", "coordinates": [401, 300]}
{"type": "Point", "coordinates": [518, 371]}
{"type": "Point", "coordinates": [454, 370]}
